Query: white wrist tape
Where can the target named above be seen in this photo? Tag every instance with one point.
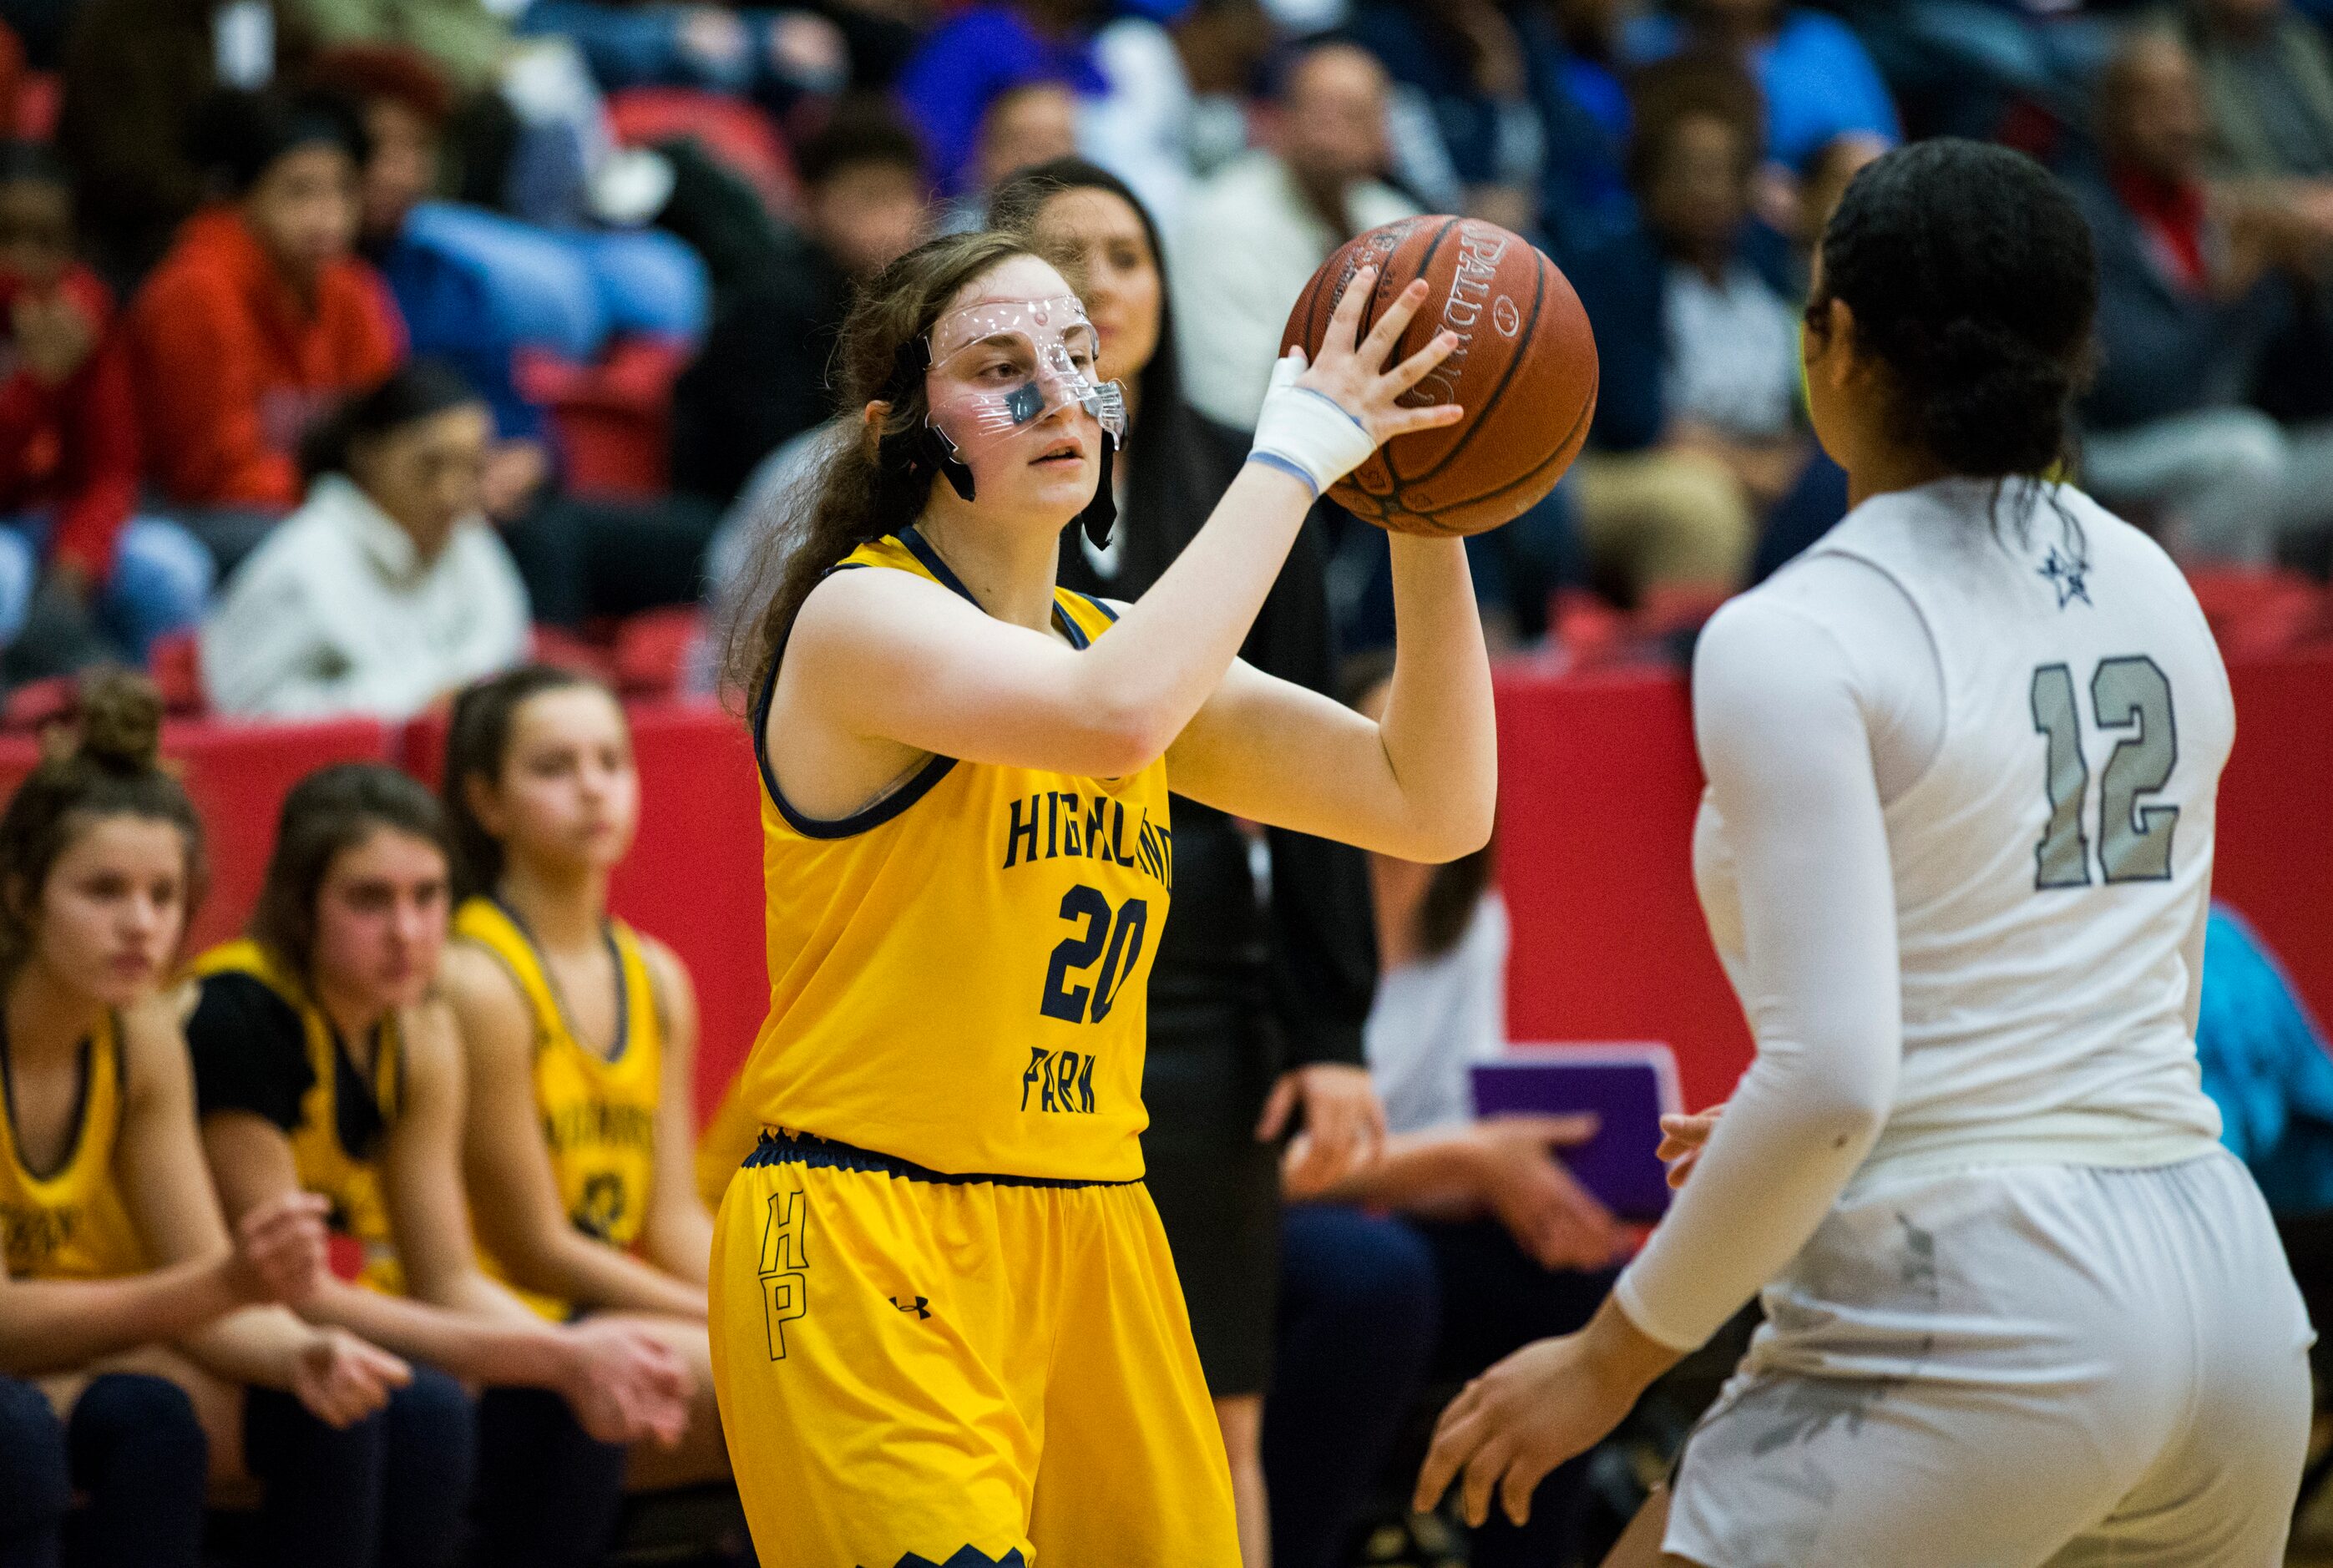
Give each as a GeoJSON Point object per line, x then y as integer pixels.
{"type": "Point", "coordinates": [1306, 433]}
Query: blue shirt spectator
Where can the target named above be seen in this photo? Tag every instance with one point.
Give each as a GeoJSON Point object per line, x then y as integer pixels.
{"type": "Point", "coordinates": [948, 85]}
{"type": "Point", "coordinates": [2264, 1065]}
{"type": "Point", "coordinates": [1818, 83]}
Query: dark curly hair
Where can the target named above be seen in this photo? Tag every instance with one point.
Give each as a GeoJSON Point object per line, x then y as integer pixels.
{"type": "Point", "coordinates": [1972, 277]}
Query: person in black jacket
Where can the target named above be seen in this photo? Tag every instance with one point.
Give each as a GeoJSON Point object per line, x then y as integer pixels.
{"type": "Point", "coordinates": [1258, 994]}
{"type": "Point", "coordinates": [761, 376]}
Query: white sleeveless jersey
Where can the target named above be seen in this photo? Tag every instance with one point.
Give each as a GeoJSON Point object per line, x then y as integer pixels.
{"type": "Point", "coordinates": [2052, 863]}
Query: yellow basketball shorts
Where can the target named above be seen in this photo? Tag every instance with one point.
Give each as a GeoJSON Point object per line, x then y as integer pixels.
{"type": "Point", "coordinates": [919, 1370]}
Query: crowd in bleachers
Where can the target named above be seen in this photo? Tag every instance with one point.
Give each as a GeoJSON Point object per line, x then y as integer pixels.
{"type": "Point", "coordinates": [362, 350]}
{"type": "Point", "coordinates": [632, 229]}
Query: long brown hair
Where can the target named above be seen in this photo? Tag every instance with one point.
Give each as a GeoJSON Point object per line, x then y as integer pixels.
{"type": "Point", "coordinates": [111, 766]}
{"type": "Point", "coordinates": [871, 483]}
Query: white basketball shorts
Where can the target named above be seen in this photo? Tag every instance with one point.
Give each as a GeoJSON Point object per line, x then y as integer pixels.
{"type": "Point", "coordinates": [2015, 1366]}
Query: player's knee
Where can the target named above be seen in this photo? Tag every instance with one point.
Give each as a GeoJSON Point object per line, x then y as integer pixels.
{"type": "Point", "coordinates": [433, 1433]}
{"type": "Point", "coordinates": [140, 1422]}
{"type": "Point", "coordinates": [38, 1489]}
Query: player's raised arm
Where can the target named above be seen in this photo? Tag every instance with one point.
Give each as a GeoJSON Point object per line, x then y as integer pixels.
{"type": "Point", "coordinates": [902, 660]}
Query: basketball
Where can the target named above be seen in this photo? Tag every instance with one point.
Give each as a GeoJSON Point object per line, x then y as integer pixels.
{"type": "Point", "coordinates": [1524, 371]}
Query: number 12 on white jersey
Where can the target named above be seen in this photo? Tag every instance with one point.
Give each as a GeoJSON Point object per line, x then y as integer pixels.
{"type": "Point", "coordinates": [2126, 693]}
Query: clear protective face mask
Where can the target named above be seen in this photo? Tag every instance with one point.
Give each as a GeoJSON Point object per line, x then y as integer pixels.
{"type": "Point", "coordinates": [998, 369]}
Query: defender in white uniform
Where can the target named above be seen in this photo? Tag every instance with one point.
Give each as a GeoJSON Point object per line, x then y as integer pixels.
{"type": "Point", "coordinates": [2021, 1308]}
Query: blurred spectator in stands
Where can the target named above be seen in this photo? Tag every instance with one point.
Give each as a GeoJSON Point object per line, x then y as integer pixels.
{"type": "Point", "coordinates": [978, 55]}
{"type": "Point", "coordinates": [82, 575]}
{"type": "Point", "coordinates": [1461, 77]}
{"type": "Point", "coordinates": [1521, 1250]}
{"type": "Point", "coordinates": [261, 317]}
{"type": "Point", "coordinates": [1696, 434]}
{"type": "Point", "coordinates": [1172, 105]}
{"type": "Point", "coordinates": [2268, 88]}
{"type": "Point", "coordinates": [1819, 499]}
{"type": "Point", "coordinates": [1255, 232]}
{"type": "Point", "coordinates": [1817, 82]}
{"type": "Point", "coordinates": [2193, 279]}
{"type": "Point", "coordinates": [761, 378]}
{"type": "Point", "coordinates": [2264, 1064]}
{"type": "Point", "coordinates": [1573, 51]}
{"type": "Point", "coordinates": [1033, 123]}
{"type": "Point", "coordinates": [777, 57]}
{"type": "Point", "coordinates": [476, 288]}
{"type": "Point", "coordinates": [388, 590]}
{"type": "Point", "coordinates": [138, 75]}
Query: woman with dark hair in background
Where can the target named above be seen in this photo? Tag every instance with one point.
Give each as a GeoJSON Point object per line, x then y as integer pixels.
{"type": "Point", "coordinates": [2021, 1307]}
{"type": "Point", "coordinates": [1257, 999]}
{"type": "Point", "coordinates": [579, 1033]}
{"type": "Point", "coordinates": [153, 1337]}
{"type": "Point", "coordinates": [326, 1063]}
{"type": "Point", "coordinates": [388, 591]}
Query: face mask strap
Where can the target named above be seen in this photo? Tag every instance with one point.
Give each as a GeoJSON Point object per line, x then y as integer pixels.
{"type": "Point", "coordinates": [1100, 514]}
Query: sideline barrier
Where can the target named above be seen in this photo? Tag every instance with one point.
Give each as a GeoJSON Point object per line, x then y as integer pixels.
{"type": "Point", "coordinates": [239, 774]}
{"type": "Point", "coordinates": [1598, 797]}
{"type": "Point", "coordinates": [1599, 788]}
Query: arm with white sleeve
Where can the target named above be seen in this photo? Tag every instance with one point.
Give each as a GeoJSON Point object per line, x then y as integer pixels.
{"type": "Point", "coordinates": [1783, 737]}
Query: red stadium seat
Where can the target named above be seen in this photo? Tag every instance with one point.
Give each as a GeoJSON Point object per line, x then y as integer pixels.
{"type": "Point", "coordinates": [175, 661]}
{"type": "Point", "coordinates": [732, 131]}
{"type": "Point", "coordinates": [651, 657]}
{"type": "Point", "coordinates": [2260, 613]}
{"type": "Point", "coordinates": [612, 418]}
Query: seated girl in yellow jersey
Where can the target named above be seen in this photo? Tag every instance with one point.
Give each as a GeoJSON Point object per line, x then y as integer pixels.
{"type": "Point", "coordinates": [945, 1325]}
{"type": "Point", "coordinates": [122, 1295]}
{"type": "Point", "coordinates": [580, 1035]}
{"type": "Point", "coordinates": [325, 1063]}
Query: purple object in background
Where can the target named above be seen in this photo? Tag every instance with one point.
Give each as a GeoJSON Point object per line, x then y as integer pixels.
{"type": "Point", "coordinates": [1628, 1087]}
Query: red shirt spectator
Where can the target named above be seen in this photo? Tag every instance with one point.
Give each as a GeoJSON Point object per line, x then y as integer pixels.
{"type": "Point", "coordinates": [261, 317]}
{"type": "Point", "coordinates": [68, 443]}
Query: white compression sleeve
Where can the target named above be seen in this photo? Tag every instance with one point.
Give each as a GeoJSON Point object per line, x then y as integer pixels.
{"type": "Point", "coordinates": [1783, 737]}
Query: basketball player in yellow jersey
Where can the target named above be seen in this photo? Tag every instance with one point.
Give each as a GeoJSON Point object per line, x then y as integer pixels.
{"type": "Point", "coordinates": [580, 1034]}
{"type": "Point", "coordinates": [119, 1290]}
{"type": "Point", "coordinates": [945, 1325]}
{"type": "Point", "coordinates": [324, 1061]}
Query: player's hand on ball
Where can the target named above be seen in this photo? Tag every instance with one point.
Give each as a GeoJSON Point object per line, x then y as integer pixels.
{"type": "Point", "coordinates": [1683, 1138]}
{"type": "Point", "coordinates": [1351, 371]}
{"type": "Point", "coordinates": [1540, 1406]}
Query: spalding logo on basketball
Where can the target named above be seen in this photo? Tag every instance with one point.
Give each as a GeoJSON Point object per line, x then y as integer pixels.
{"type": "Point", "coordinates": [1524, 371]}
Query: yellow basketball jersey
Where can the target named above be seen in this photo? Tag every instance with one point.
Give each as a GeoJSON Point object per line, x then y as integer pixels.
{"type": "Point", "coordinates": [959, 974]}
{"type": "Point", "coordinates": [599, 1112]}
{"type": "Point", "coordinates": [72, 1223]}
{"type": "Point", "coordinates": [359, 1216]}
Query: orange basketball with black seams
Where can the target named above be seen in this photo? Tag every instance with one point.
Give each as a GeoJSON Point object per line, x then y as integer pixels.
{"type": "Point", "coordinates": [1524, 371]}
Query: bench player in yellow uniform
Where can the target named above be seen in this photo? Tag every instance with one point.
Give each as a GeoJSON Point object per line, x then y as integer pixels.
{"type": "Point", "coordinates": [120, 1295]}
{"type": "Point", "coordinates": [580, 1034]}
{"type": "Point", "coordinates": [945, 1325]}
{"type": "Point", "coordinates": [325, 1062]}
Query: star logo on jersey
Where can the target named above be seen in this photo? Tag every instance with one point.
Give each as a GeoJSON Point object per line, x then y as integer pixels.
{"type": "Point", "coordinates": [2069, 575]}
